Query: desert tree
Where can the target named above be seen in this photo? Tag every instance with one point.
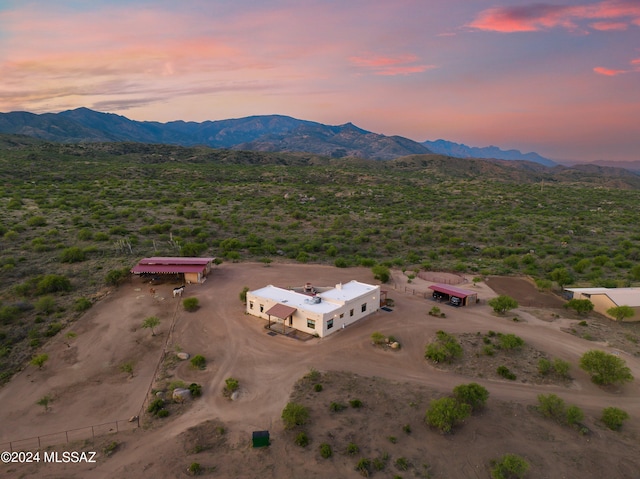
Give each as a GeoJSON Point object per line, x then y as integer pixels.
{"type": "Point", "coordinates": [580, 306]}
{"type": "Point", "coordinates": [605, 368]}
{"type": "Point", "coordinates": [150, 323]}
{"type": "Point", "coordinates": [294, 414]}
{"type": "Point", "coordinates": [445, 413]}
{"type": "Point", "coordinates": [503, 303]}
{"type": "Point", "coordinates": [621, 312]}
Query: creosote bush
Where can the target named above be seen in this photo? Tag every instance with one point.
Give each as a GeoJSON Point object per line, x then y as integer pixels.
{"type": "Point", "coordinates": [190, 304]}
{"type": "Point", "coordinates": [325, 450]}
{"type": "Point", "coordinates": [445, 348]}
{"type": "Point", "coordinates": [294, 414]}
{"type": "Point", "coordinates": [198, 362]}
{"type": "Point", "coordinates": [613, 417]}
{"type": "Point", "coordinates": [509, 466]}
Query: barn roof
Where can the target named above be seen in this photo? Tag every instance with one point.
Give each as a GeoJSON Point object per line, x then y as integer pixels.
{"type": "Point", "coordinates": [171, 260]}
{"type": "Point", "coordinates": [167, 268]}
{"type": "Point", "coordinates": [452, 290]}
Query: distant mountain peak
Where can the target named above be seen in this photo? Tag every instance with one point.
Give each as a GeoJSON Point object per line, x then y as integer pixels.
{"type": "Point", "coordinates": [459, 150]}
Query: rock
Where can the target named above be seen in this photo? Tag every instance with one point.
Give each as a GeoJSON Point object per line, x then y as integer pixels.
{"type": "Point", "coordinates": [235, 395]}
{"type": "Point", "coordinates": [183, 355]}
{"type": "Point", "coordinates": [160, 395]}
{"type": "Point", "coordinates": [395, 345]}
{"type": "Point", "coordinates": [133, 418]}
{"type": "Point", "coordinates": [181, 395]}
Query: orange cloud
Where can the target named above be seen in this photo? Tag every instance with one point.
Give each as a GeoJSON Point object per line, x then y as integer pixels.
{"type": "Point", "coordinates": [540, 16]}
{"type": "Point", "coordinates": [400, 65]}
{"type": "Point", "coordinates": [608, 71]}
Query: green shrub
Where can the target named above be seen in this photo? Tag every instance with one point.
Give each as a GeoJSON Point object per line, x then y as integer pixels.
{"type": "Point", "coordinates": [472, 394]}
{"type": "Point", "coordinates": [544, 366]}
{"type": "Point", "coordinates": [302, 439]}
{"type": "Point", "coordinates": [402, 464]}
{"type": "Point", "coordinates": [198, 362]}
{"type": "Point", "coordinates": [378, 338]}
{"type": "Point", "coordinates": [195, 389]}
{"type": "Point", "coordinates": [551, 406]}
{"type": "Point", "coordinates": [155, 406]}
{"type": "Point", "coordinates": [355, 403]}
{"type": "Point", "coordinates": [352, 448]}
{"type": "Point", "coordinates": [574, 415]}
{"type": "Point", "coordinates": [613, 417]}
{"type": "Point", "coordinates": [294, 414]}
{"type": "Point", "coordinates": [163, 413]}
{"type": "Point", "coordinates": [336, 406]}
{"type": "Point", "coordinates": [231, 385]}
{"type": "Point", "coordinates": [194, 469]}
{"type": "Point", "coordinates": [81, 304]}
{"type": "Point", "coordinates": [605, 368]}
{"type": "Point", "coordinates": [190, 304]}
{"type": "Point", "coordinates": [445, 348]}
{"type": "Point", "coordinates": [364, 467]}
{"type": "Point", "coordinates": [72, 255]}
{"type": "Point", "coordinates": [445, 413]}
{"type": "Point", "coordinates": [510, 466]}
{"type": "Point", "coordinates": [39, 360]}
{"type": "Point", "coordinates": [325, 450]}
{"type": "Point", "coordinates": [317, 387]}
{"type": "Point", "coordinates": [510, 341]}
{"type": "Point", "coordinates": [506, 373]}
{"type": "Point", "coordinates": [561, 367]}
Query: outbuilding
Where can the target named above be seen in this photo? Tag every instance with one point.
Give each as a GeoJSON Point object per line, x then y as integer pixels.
{"type": "Point", "coordinates": [453, 295]}
{"type": "Point", "coordinates": [604, 299]}
{"type": "Point", "coordinates": [317, 311]}
{"type": "Point", "coordinates": [192, 270]}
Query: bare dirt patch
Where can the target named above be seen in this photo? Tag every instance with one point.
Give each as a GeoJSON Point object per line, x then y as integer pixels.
{"type": "Point", "coordinates": [394, 386]}
{"type": "Point", "coordinates": [524, 291]}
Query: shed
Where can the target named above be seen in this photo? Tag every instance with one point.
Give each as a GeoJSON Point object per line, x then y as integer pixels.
{"type": "Point", "coordinates": [260, 439]}
{"type": "Point", "coordinates": [446, 292]}
{"type": "Point", "coordinates": [194, 270]}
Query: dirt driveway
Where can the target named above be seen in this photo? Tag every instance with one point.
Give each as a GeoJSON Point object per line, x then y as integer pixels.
{"type": "Point", "coordinates": [88, 387]}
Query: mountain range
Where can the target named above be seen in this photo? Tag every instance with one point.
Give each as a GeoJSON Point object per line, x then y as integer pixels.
{"type": "Point", "coordinates": [254, 133]}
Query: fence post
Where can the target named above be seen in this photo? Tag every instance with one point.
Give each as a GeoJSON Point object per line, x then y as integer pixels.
{"type": "Point", "coordinates": [93, 437]}
{"type": "Point", "coordinates": [117, 426]}
{"type": "Point", "coordinates": [66, 433]}
{"type": "Point", "coordinates": [38, 442]}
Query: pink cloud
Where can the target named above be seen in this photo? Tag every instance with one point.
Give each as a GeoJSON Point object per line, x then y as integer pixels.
{"type": "Point", "coordinates": [608, 71]}
{"type": "Point", "coordinates": [382, 65]}
{"type": "Point", "coordinates": [540, 16]}
{"type": "Point", "coordinates": [608, 26]}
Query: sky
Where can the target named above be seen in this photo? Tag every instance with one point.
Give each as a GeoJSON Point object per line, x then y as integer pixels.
{"type": "Point", "coordinates": [560, 78]}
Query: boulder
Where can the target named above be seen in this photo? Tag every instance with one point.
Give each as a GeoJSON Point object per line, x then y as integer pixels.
{"type": "Point", "coordinates": [183, 355]}
{"type": "Point", "coordinates": [395, 345]}
{"type": "Point", "coordinates": [181, 395]}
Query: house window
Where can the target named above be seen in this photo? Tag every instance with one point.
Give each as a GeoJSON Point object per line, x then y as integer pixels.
{"type": "Point", "coordinates": [364, 307]}
{"type": "Point", "coordinates": [351, 313]}
{"type": "Point", "coordinates": [262, 308]}
{"type": "Point", "coordinates": [341, 315]}
{"type": "Point", "coordinates": [311, 323]}
{"type": "Point", "coordinates": [250, 304]}
{"type": "Point", "coordinates": [330, 324]}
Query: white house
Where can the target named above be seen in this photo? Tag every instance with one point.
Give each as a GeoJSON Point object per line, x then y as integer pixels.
{"type": "Point", "coordinates": [606, 298]}
{"type": "Point", "coordinates": [318, 311]}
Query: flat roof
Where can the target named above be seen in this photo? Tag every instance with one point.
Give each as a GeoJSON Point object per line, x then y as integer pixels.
{"type": "Point", "coordinates": [620, 296]}
{"type": "Point", "coordinates": [344, 292]}
{"type": "Point", "coordinates": [452, 290]}
{"type": "Point", "coordinates": [295, 300]}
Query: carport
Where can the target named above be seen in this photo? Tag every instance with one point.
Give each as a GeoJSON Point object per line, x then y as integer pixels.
{"type": "Point", "coordinates": [446, 292]}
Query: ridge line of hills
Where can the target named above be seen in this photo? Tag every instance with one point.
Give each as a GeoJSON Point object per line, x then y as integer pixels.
{"type": "Point", "coordinates": [254, 133]}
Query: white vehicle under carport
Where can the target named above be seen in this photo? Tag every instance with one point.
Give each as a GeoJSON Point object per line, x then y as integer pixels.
{"type": "Point", "coordinates": [455, 301]}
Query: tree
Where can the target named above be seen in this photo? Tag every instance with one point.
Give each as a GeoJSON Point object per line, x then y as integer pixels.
{"type": "Point", "coordinates": [150, 323]}
{"type": "Point", "coordinates": [39, 360]}
{"type": "Point", "coordinates": [381, 272]}
{"type": "Point", "coordinates": [472, 394]}
{"type": "Point", "coordinates": [621, 312]}
{"type": "Point", "coordinates": [562, 276]}
{"type": "Point", "coordinates": [510, 466]}
{"type": "Point", "coordinates": [445, 413]}
{"type": "Point", "coordinates": [581, 306]}
{"type": "Point", "coordinates": [115, 277]}
{"type": "Point", "coordinates": [294, 414]}
{"type": "Point", "coordinates": [502, 303]}
{"type": "Point", "coordinates": [605, 368]}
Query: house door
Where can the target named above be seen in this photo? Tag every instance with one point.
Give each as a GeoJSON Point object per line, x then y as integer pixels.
{"type": "Point", "coordinates": [290, 320]}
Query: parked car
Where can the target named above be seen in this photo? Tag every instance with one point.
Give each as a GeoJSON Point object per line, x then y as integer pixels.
{"type": "Point", "coordinates": [455, 301]}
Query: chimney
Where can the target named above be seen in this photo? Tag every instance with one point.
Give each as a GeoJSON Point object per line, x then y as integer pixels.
{"type": "Point", "coordinates": [339, 286]}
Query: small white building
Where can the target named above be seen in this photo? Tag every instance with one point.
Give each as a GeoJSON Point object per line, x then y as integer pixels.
{"type": "Point", "coordinates": [606, 298]}
{"type": "Point", "coordinates": [317, 311]}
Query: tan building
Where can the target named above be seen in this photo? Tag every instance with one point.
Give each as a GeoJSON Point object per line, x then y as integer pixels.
{"type": "Point", "coordinates": [604, 299]}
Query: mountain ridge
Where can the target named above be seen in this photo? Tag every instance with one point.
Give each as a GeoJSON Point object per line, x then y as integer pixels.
{"type": "Point", "coordinates": [256, 133]}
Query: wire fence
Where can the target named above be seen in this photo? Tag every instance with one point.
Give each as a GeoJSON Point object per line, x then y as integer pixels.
{"type": "Point", "coordinates": [71, 435]}
{"type": "Point", "coordinates": [93, 431]}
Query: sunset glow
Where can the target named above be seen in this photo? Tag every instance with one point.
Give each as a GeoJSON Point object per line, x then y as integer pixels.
{"type": "Point", "coordinates": [509, 73]}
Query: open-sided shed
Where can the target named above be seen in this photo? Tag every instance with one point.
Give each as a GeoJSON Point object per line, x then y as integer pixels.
{"type": "Point", "coordinates": [195, 270]}
{"type": "Point", "coordinates": [448, 293]}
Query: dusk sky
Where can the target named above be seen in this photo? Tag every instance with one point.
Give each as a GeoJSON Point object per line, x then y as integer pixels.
{"type": "Point", "coordinates": [559, 78]}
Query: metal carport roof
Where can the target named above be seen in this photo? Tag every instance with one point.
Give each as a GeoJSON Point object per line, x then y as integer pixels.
{"type": "Point", "coordinates": [452, 290]}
